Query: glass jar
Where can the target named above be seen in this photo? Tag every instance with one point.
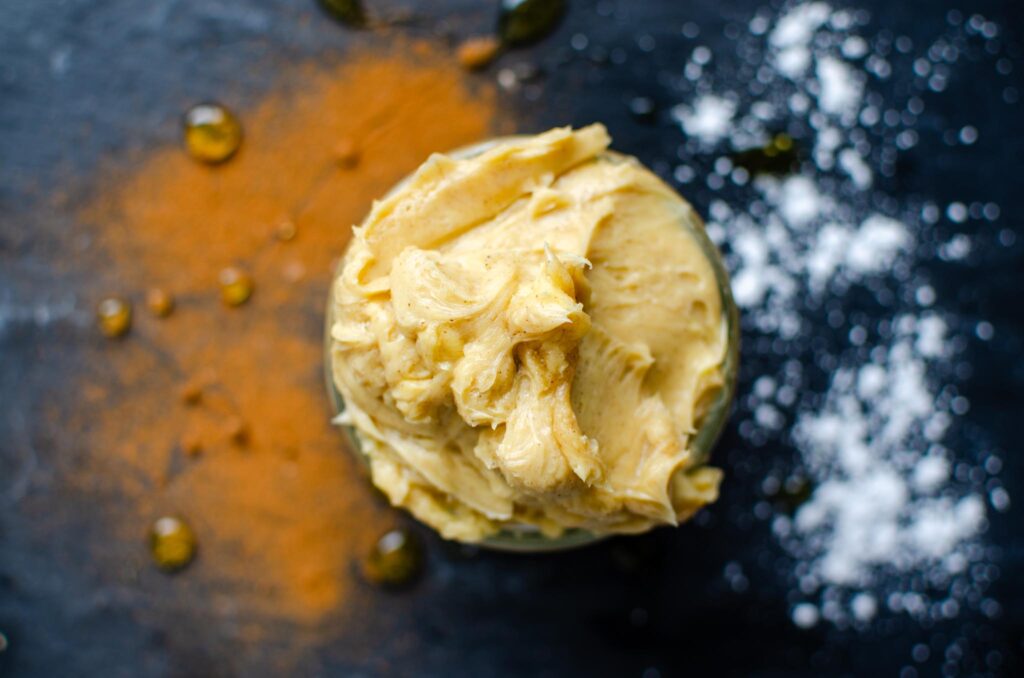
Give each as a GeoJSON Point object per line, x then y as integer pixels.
{"type": "Point", "coordinates": [527, 538]}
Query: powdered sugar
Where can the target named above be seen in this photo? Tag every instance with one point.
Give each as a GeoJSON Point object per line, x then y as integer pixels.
{"type": "Point", "coordinates": [894, 514]}
{"type": "Point", "coordinates": [792, 35]}
{"type": "Point", "coordinates": [880, 503]}
{"type": "Point", "coordinates": [708, 119]}
{"type": "Point", "coordinates": [840, 87]}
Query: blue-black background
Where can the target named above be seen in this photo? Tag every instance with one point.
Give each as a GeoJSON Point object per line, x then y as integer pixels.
{"type": "Point", "coordinates": [624, 607]}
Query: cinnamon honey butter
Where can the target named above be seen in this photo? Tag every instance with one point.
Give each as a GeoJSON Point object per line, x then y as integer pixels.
{"type": "Point", "coordinates": [531, 336]}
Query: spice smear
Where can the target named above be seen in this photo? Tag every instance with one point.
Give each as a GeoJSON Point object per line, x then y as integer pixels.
{"type": "Point", "coordinates": [218, 414]}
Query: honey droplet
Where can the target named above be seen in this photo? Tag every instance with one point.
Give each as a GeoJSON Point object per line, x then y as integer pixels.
{"type": "Point", "coordinates": [212, 133]}
{"type": "Point", "coordinates": [172, 543]}
{"type": "Point", "coordinates": [235, 286]}
{"type": "Point", "coordinates": [346, 153]}
{"type": "Point", "coordinates": [159, 302]}
{"type": "Point", "coordinates": [395, 560]}
{"type": "Point", "coordinates": [779, 156]}
{"type": "Point", "coordinates": [348, 12]}
{"type": "Point", "coordinates": [521, 22]}
{"type": "Point", "coordinates": [114, 316]}
{"type": "Point", "coordinates": [475, 53]}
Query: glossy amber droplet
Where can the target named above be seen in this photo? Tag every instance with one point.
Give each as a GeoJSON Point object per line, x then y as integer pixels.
{"type": "Point", "coordinates": [476, 53]}
{"type": "Point", "coordinates": [114, 316]}
{"type": "Point", "coordinates": [172, 543]}
{"type": "Point", "coordinates": [348, 12]}
{"type": "Point", "coordinates": [779, 156]}
{"type": "Point", "coordinates": [521, 22]}
{"type": "Point", "coordinates": [212, 133]}
{"type": "Point", "coordinates": [235, 286]}
{"type": "Point", "coordinates": [159, 302]}
{"type": "Point", "coordinates": [395, 560]}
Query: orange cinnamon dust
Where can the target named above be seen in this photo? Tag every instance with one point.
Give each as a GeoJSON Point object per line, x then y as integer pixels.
{"type": "Point", "coordinates": [219, 414]}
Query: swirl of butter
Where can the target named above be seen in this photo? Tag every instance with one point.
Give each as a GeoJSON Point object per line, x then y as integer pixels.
{"type": "Point", "coordinates": [530, 336]}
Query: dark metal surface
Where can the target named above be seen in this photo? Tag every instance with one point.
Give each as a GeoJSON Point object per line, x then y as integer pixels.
{"type": "Point", "coordinates": [83, 81]}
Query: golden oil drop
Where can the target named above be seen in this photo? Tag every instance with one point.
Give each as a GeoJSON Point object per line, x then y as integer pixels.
{"type": "Point", "coordinates": [521, 22]}
{"type": "Point", "coordinates": [395, 560]}
{"type": "Point", "coordinates": [114, 316]}
{"type": "Point", "coordinates": [172, 543]}
{"type": "Point", "coordinates": [212, 133]}
{"type": "Point", "coordinates": [235, 286]}
{"type": "Point", "coordinates": [348, 12]}
{"type": "Point", "coordinates": [476, 53]}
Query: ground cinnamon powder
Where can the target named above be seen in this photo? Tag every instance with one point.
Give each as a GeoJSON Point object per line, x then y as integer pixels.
{"type": "Point", "coordinates": [219, 414]}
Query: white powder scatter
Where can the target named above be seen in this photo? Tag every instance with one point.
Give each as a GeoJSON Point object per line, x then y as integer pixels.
{"type": "Point", "coordinates": [958, 247]}
{"type": "Point", "coordinates": [1000, 499]}
{"type": "Point", "coordinates": [930, 472]}
{"type": "Point", "coordinates": [855, 47]}
{"type": "Point", "coordinates": [805, 615]}
{"type": "Point", "coordinates": [799, 201]}
{"type": "Point", "coordinates": [876, 244]}
{"type": "Point", "coordinates": [752, 282]}
{"type": "Point", "coordinates": [957, 212]}
{"type": "Point", "coordinates": [931, 336]}
{"type": "Point", "coordinates": [864, 607]}
{"type": "Point", "coordinates": [825, 145]}
{"type": "Point", "coordinates": [797, 26]}
{"type": "Point", "coordinates": [853, 164]}
{"type": "Point", "coordinates": [793, 61]}
{"type": "Point", "coordinates": [792, 37]}
{"type": "Point", "coordinates": [940, 525]}
{"type": "Point", "coordinates": [871, 379]}
{"type": "Point", "coordinates": [769, 417]}
{"type": "Point", "coordinates": [870, 510]}
{"type": "Point", "coordinates": [827, 254]}
{"type": "Point", "coordinates": [896, 510]}
{"type": "Point", "coordinates": [840, 86]}
{"type": "Point", "coordinates": [765, 387]}
{"type": "Point", "coordinates": [925, 295]}
{"type": "Point", "coordinates": [709, 119]}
